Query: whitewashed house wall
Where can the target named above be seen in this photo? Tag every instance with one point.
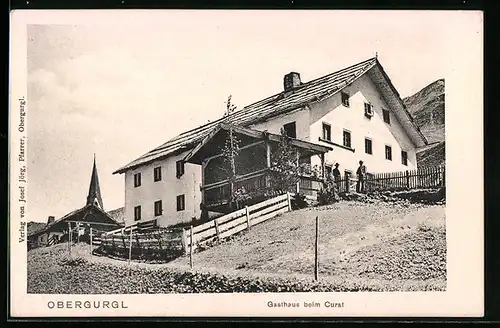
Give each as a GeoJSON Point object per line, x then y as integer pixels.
{"type": "Point", "coordinates": [166, 190]}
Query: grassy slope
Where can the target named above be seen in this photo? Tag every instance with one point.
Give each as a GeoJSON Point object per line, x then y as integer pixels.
{"type": "Point", "coordinates": [362, 247]}
{"type": "Point", "coordinates": [285, 244]}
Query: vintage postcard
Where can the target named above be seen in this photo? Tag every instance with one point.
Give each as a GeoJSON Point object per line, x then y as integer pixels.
{"type": "Point", "coordinates": [246, 163]}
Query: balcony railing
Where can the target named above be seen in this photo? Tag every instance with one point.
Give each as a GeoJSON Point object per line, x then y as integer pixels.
{"type": "Point", "coordinates": [256, 185]}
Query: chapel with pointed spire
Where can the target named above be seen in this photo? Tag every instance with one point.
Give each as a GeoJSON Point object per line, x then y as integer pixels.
{"type": "Point", "coordinates": [90, 215]}
{"type": "Point", "coordinates": [94, 195]}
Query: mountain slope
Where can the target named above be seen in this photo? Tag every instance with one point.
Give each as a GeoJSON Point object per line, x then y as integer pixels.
{"type": "Point", "coordinates": [427, 107]}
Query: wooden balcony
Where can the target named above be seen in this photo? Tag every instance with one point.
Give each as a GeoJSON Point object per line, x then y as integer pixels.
{"type": "Point", "coordinates": [257, 186]}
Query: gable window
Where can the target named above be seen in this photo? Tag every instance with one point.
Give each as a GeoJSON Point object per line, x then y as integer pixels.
{"type": "Point", "coordinates": [347, 138]}
{"type": "Point", "coordinates": [388, 153]}
{"type": "Point", "coordinates": [137, 179]}
{"type": "Point", "coordinates": [157, 173]}
{"type": "Point", "coordinates": [327, 132]}
{"type": "Point", "coordinates": [137, 213]}
{"type": "Point", "coordinates": [345, 98]}
{"type": "Point", "coordinates": [181, 203]}
{"type": "Point", "coordinates": [404, 157]}
{"type": "Point", "coordinates": [368, 146]}
{"type": "Point", "coordinates": [387, 116]}
{"type": "Point", "coordinates": [368, 110]}
{"type": "Point", "coordinates": [158, 208]}
{"type": "Point", "coordinates": [179, 168]}
{"type": "Point", "coordinates": [290, 130]}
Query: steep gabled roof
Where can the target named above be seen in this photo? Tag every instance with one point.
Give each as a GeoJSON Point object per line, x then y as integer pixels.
{"type": "Point", "coordinates": [283, 102]}
{"type": "Point", "coordinates": [94, 196]}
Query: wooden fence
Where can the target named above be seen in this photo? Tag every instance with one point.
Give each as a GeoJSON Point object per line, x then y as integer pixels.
{"type": "Point", "coordinates": [237, 221]}
{"type": "Point", "coordinates": [168, 243]}
{"type": "Point", "coordinates": [422, 178]}
{"type": "Point", "coordinates": [160, 242]}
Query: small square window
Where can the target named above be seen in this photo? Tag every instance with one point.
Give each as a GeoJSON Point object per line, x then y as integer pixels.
{"type": "Point", "coordinates": [368, 146]}
{"type": "Point", "coordinates": [158, 208]}
{"type": "Point", "coordinates": [137, 179]}
{"type": "Point", "coordinates": [157, 173]}
{"type": "Point", "coordinates": [387, 116]}
{"type": "Point", "coordinates": [347, 138]}
{"type": "Point", "coordinates": [404, 157]}
{"type": "Point", "coordinates": [179, 168]}
{"type": "Point", "coordinates": [181, 203]}
{"type": "Point", "coordinates": [327, 132]}
{"type": "Point", "coordinates": [345, 99]}
{"type": "Point", "coordinates": [388, 153]}
{"type": "Point", "coordinates": [137, 213]}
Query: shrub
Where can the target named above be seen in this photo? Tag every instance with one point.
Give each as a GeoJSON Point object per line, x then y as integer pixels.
{"type": "Point", "coordinates": [329, 194]}
{"type": "Point", "coordinates": [299, 201]}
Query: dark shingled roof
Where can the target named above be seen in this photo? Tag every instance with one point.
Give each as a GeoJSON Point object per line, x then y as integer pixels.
{"type": "Point", "coordinates": [280, 103]}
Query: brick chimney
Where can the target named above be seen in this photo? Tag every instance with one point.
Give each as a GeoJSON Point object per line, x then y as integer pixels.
{"type": "Point", "coordinates": [50, 220]}
{"type": "Point", "coordinates": [291, 80]}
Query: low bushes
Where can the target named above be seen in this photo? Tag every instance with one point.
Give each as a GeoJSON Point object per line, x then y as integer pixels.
{"type": "Point", "coordinates": [103, 278]}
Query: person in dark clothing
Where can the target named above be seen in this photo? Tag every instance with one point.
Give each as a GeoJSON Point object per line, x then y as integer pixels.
{"type": "Point", "coordinates": [336, 174]}
{"type": "Point", "coordinates": [361, 173]}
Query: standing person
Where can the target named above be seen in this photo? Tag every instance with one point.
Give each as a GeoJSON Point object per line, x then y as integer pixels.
{"type": "Point", "coordinates": [336, 174]}
{"type": "Point", "coordinates": [361, 173]}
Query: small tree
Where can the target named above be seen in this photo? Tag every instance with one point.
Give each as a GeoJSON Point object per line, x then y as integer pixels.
{"type": "Point", "coordinates": [230, 151]}
{"type": "Point", "coordinates": [284, 166]}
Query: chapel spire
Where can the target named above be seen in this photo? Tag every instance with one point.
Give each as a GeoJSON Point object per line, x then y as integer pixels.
{"type": "Point", "coordinates": [94, 196]}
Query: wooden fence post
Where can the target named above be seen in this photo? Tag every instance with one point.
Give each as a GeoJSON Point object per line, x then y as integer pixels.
{"type": "Point", "coordinates": [407, 179]}
{"type": "Point", "coordinates": [444, 176]}
{"type": "Point", "coordinates": [91, 240]}
{"type": "Point", "coordinates": [247, 213]}
{"type": "Point", "coordinates": [316, 261]}
{"type": "Point", "coordinates": [130, 247]}
{"type": "Point", "coordinates": [216, 228]}
{"type": "Point", "coordinates": [347, 182]}
{"type": "Point", "coordinates": [69, 237]}
{"type": "Point", "coordinates": [184, 241]}
{"type": "Point", "coordinates": [191, 248]}
{"type": "Point", "coordinates": [289, 200]}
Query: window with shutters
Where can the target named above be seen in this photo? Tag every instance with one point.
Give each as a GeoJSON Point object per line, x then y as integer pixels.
{"type": "Point", "coordinates": [347, 138]}
{"type": "Point", "coordinates": [345, 98]}
{"type": "Point", "coordinates": [137, 180]}
{"type": "Point", "coordinates": [290, 130]}
{"type": "Point", "coordinates": [157, 173]}
{"type": "Point", "coordinates": [158, 208]}
{"type": "Point", "coordinates": [137, 213]}
{"type": "Point", "coordinates": [388, 153]}
{"type": "Point", "coordinates": [368, 146]}
{"type": "Point", "coordinates": [327, 131]}
{"type": "Point", "coordinates": [181, 205]}
{"type": "Point", "coordinates": [386, 115]}
{"type": "Point", "coordinates": [404, 157]}
{"type": "Point", "coordinates": [179, 168]}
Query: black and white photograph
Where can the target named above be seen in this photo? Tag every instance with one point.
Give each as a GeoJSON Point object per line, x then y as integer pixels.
{"type": "Point", "coordinates": [263, 154]}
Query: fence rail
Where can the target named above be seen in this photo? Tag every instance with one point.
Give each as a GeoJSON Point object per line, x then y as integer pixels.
{"type": "Point", "coordinates": [422, 178]}
{"type": "Point", "coordinates": [237, 221]}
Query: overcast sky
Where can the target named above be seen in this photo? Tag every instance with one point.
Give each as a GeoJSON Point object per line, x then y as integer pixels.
{"type": "Point", "coordinates": [120, 88]}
